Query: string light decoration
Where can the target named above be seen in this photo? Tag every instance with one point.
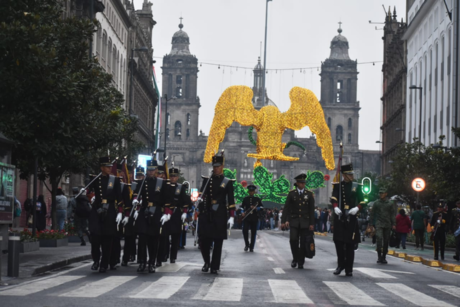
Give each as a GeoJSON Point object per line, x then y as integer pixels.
{"type": "Point", "coordinates": [274, 191]}
{"type": "Point", "coordinates": [239, 192]}
{"type": "Point", "coordinates": [253, 142]}
{"type": "Point", "coordinates": [235, 104]}
{"type": "Point", "coordinates": [314, 180]}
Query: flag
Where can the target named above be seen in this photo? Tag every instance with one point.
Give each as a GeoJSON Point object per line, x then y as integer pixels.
{"type": "Point", "coordinates": [339, 165]}
{"type": "Point", "coordinates": [126, 177]}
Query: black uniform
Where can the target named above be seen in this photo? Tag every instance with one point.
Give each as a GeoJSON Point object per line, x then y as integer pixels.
{"type": "Point", "coordinates": [177, 202]}
{"type": "Point", "coordinates": [346, 228]}
{"type": "Point", "coordinates": [102, 224]}
{"type": "Point", "coordinates": [251, 219]}
{"type": "Point", "coordinates": [299, 211]}
{"type": "Point", "coordinates": [439, 233]}
{"type": "Point", "coordinates": [129, 249]}
{"type": "Point", "coordinates": [214, 213]}
{"type": "Point", "coordinates": [148, 224]}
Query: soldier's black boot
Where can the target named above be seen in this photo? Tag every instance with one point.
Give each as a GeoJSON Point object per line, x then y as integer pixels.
{"type": "Point", "coordinates": [141, 267]}
{"type": "Point", "coordinates": [384, 260]}
{"type": "Point", "coordinates": [151, 268]}
{"type": "Point", "coordinates": [83, 243]}
{"type": "Point", "coordinates": [205, 268]}
{"type": "Point", "coordinates": [293, 264]}
{"type": "Point", "coordinates": [338, 271]}
{"type": "Point", "coordinates": [246, 248]}
{"type": "Point", "coordinates": [124, 263]}
{"type": "Point", "coordinates": [379, 260]}
{"type": "Point", "coordinates": [95, 266]}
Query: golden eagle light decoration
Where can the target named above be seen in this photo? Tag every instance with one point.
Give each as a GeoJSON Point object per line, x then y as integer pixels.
{"type": "Point", "coordinates": [235, 104]}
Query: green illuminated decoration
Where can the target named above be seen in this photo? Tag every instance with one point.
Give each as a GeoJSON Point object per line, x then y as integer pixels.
{"type": "Point", "coordinates": [314, 180]}
{"type": "Point", "coordinates": [239, 191]}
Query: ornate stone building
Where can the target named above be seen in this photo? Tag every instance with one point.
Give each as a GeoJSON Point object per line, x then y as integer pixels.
{"type": "Point", "coordinates": [394, 71]}
{"type": "Point", "coordinates": [186, 146]}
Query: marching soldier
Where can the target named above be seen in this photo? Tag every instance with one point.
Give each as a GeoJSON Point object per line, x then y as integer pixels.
{"type": "Point", "coordinates": [105, 215]}
{"type": "Point", "coordinates": [129, 249]}
{"type": "Point", "coordinates": [163, 249]}
{"type": "Point", "coordinates": [454, 227]}
{"type": "Point", "coordinates": [346, 196]}
{"type": "Point", "coordinates": [251, 204]}
{"type": "Point", "coordinates": [177, 203]}
{"type": "Point", "coordinates": [439, 233]}
{"type": "Point", "coordinates": [213, 214]}
{"type": "Point", "coordinates": [149, 216]}
{"type": "Point", "coordinates": [299, 216]}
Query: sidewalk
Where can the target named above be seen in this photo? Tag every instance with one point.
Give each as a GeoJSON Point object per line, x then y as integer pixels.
{"type": "Point", "coordinates": [46, 259]}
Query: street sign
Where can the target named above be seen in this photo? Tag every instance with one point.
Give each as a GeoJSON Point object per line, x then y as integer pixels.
{"type": "Point", "coordinates": [418, 184]}
{"type": "Point", "coordinates": [6, 193]}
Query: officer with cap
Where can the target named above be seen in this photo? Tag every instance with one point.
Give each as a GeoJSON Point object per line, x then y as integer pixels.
{"type": "Point", "coordinates": [105, 215]}
{"type": "Point", "coordinates": [218, 203]}
{"type": "Point", "coordinates": [299, 216]}
{"type": "Point", "coordinates": [177, 203]}
{"type": "Point", "coordinates": [149, 216]}
{"type": "Point", "coordinates": [251, 204]}
{"type": "Point", "coordinates": [346, 201]}
{"type": "Point", "coordinates": [439, 232]}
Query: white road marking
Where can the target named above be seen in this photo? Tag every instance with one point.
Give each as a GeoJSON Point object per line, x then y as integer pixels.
{"type": "Point", "coordinates": [413, 296]}
{"type": "Point", "coordinates": [452, 290]}
{"type": "Point", "coordinates": [204, 288]}
{"type": "Point", "coordinates": [279, 271]}
{"type": "Point", "coordinates": [39, 285]}
{"type": "Point", "coordinates": [163, 288]}
{"type": "Point", "coordinates": [288, 292]}
{"type": "Point", "coordinates": [264, 251]}
{"type": "Point", "coordinates": [375, 273]}
{"type": "Point", "coordinates": [99, 287]}
{"type": "Point", "coordinates": [261, 245]}
{"type": "Point", "coordinates": [270, 258]}
{"type": "Point", "coordinates": [352, 294]}
{"type": "Point", "coordinates": [225, 289]}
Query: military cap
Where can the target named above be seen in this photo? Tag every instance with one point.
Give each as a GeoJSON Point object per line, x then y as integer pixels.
{"type": "Point", "coordinates": [301, 178]}
{"type": "Point", "coordinates": [218, 160]}
{"type": "Point", "coordinates": [382, 190]}
{"type": "Point", "coordinates": [347, 169]}
{"type": "Point", "coordinates": [173, 171]}
{"type": "Point", "coordinates": [105, 161]}
{"type": "Point", "coordinates": [152, 164]}
{"type": "Point", "coordinates": [252, 187]}
{"type": "Point", "coordinates": [161, 169]}
{"type": "Point", "coordinates": [140, 170]}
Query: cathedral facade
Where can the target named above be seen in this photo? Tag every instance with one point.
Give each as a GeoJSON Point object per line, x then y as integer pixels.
{"type": "Point", "coordinates": [186, 145]}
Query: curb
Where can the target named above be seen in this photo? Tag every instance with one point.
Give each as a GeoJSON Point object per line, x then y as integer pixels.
{"type": "Point", "coordinates": [428, 262]}
{"type": "Point", "coordinates": [59, 264]}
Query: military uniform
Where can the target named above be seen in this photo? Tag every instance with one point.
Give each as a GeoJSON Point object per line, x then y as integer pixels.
{"type": "Point", "coordinates": [250, 218]}
{"type": "Point", "coordinates": [383, 218]}
{"type": "Point", "coordinates": [218, 204]}
{"type": "Point", "coordinates": [148, 224]}
{"type": "Point", "coordinates": [347, 197]}
{"type": "Point", "coordinates": [299, 211]}
{"type": "Point", "coordinates": [438, 221]}
{"type": "Point", "coordinates": [454, 224]}
{"type": "Point", "coordinates": [129, 249]}
{"type": "Point", "coordinates": [177, 202]}
{"type": "Point", "coordinates": [102, 219]}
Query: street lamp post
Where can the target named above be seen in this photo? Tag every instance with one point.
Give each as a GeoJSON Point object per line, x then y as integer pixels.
{"type": "Point", "coordinates": [420, 88]}
{"type": "Point", "coordinates": [143, 49]}
{"type": "Point", "coordinates": [265, 54]}
{"type": "Point", "coordinates": [381, 158]}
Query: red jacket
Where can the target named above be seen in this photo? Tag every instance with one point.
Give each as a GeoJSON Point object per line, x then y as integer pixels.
{"type": "Point", "coordinates": [403, 224]}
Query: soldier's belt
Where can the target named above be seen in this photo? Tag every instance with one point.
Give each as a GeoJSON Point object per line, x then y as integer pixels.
{"type": "Point", "coordinates": [346, 207]}
{"type": "Point", "coordinates": [213, 201]}
{"type": "Point", "coordinates": [104, 201]}
{"type": "Point", "coordinates": [150, 204]}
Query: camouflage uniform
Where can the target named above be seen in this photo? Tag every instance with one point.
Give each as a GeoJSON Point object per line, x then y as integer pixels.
{"type": "Point", "coordinates": [383, 218]}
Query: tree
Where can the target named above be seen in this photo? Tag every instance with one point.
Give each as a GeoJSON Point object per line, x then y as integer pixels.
{"type": "Point", "coordinates": [58, 104]}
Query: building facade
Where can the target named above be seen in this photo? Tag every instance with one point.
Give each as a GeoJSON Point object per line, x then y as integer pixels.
{"type": "Point", "coordinates": [185, 145]}
{"type": "Point", "coordinates": [394, 86]}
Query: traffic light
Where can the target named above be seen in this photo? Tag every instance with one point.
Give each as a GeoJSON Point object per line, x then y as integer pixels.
{"type": "Point", "coordinates": [366, 187]}
{"type": "Point", "coordinates": [194, 195]}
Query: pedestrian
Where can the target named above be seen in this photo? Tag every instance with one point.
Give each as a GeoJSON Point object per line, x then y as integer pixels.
{"type": "Point", "coordinates": [317, 215]}
{"type": "Point", "coordinates": [71, 205]}
{"type": "Point", "coordinates": [438, 234]}
{"type": "Point", "coordinates": [17, 212]}
{"type": "Point", "coordinates": [328, 222]}
{"type": "Point", "coordinates": [40, 212]}
{"type": "Point", "coordinates": [323, 220]}
{"type": "Point", "coordinates": [418, 219]}
{"type": "Point", "coordinates": [61, 209]}
{"type": "Point", "coordinates": [79, 211]}
{"type": "Point", "coordinates": [299, 216]}
{"type": "Point", "coordinates": [383, 219]}
{"type": "Point", "coordinates": [105, 214]}
{"type": "Point", "coordinates": [347, 201]}
{"type": "Point", "coordinates": [318, 220]}
{"type": "Point", "coordinates": [218, 203]}
{"type": "Point", "coordinates": [251, 204]}
{"type": "Point", "coordinates": [403, 227]}
{"type": "Point", "coordinates": [455, 228]}
{"type": "Point", "coordinates": [271, 219]}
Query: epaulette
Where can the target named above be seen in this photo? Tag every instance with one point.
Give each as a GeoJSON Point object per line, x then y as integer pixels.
{"type": "Point", "coordinates": [335, 183]}
{"type": "Point", "coordinates": [233, 180]}
{"type": "Point", "coordinates": [204, 177]}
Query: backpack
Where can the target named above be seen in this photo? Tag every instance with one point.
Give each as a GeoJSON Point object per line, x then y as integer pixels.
{"type": "Point", "coordinates": [83, 208]}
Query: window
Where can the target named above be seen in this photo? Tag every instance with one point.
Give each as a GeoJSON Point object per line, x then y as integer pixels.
{"type": "Point", "coordinates": [168, 119]}
{"type": "Point", "coordinates": [177, 128]}
{"type": "Point", "coordinates": [109, 55]}
{"type": "Point", "coordinates": [188, 119]}
{"type": "Point", "coordinates": [188, 132]}
{"type": "Point", "coordinates": [179, 61]}
{"type": "Point", "coordinates": [178, 92]}
{"type": "Point", "coordinates": [167, 133]}
{"type": "Point", "coordinates": [329, 121]}
{"type": "Point", "coordinates": [98, 42]}
{"type": "Point", "coordinates": [338, 97]}
{"type": "Point", "coordinates": [179, 79]}
{"type": "Point", "coordinates": [349, 138]}
{"type": "Point", "coordinates": [350, 123]}
{"type": "Point", "coordinates": [104, 47]}
{"type": "Point", "coordinates": [339, 84]}
{"type": "Point", "coordinates": [339, 133]}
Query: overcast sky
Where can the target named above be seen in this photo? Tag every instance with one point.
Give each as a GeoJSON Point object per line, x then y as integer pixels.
{"type": "Point", "coordinates": [229, 32]}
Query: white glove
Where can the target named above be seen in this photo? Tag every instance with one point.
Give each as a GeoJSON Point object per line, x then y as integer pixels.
{"type": "Point", "coordinates": [82, 191]}
{"type": "Point", "coordinates": [231, 222]}
{"type": "Point", "coordinates": [119, 218]}
{"type": "Point", "coordinates": [136, 214]}
{"type": "Point", "coordinates": [93, 199]}
{"type": "Point", "coordinates": [439, 222]}
{"type": "Point", "coordinates": [353, 211]}
{"type": "Point", "coordinates": [135, 202]}
{"type": "Point", "coordinates": [184, 216]}
{"type": "Point", "coordinates": [125, 221]}
{"type": "Point", "coordinates": [165, 218]}
{"type": "Point", "coordinates": [337, 211]}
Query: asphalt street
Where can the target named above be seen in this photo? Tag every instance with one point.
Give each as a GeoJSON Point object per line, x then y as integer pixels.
{"type": "Point", "coordinates": [262, 278]}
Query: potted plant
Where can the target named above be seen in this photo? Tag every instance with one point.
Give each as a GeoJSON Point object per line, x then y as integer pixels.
{"type": "Point", "coordinates": [71, 233]}
{"type": "Point", "coordinates": [52, 238]}
{"type": "Point", "coordinates": [29, 243]}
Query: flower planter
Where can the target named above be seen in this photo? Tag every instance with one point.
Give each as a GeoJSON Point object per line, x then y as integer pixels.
{"type": "Point", "coordinates": [76, 239]}
{"type": "Point", "coordinates": [26, 247]}
{"type": "Point", "coordinates": [54, 242]}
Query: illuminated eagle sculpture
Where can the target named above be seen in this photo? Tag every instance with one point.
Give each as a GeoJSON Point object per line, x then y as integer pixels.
{"type": "Point", "coordinates": [235, 105]}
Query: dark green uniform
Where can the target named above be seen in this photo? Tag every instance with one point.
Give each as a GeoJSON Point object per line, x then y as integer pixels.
{"type": "Point", "coordinates": [383, 218]}
{"type": "Point", "coordinates": [299, 211]}
{"type": "Point", "coordinates": [251, 219]}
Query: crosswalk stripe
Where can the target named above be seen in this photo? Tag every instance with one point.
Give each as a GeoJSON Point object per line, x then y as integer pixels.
{"type": "Point", "coordinates": [163, 288]}
{"type": "Point", "coordinates": [279, 271]}
{"type": "Point", "coordinates": [288, 292]}
{"type": "Point", "coordinates": [375, 273]}
{"type": "Point", "coordinates": [40, 285]}
{"type": "Point", "coordinates": [351, 294]}
{"type": "Point", "coordinates": [270, 259]}
{"type": "Point", "coordinates": [225, 289]}
{"type": "Point", "coordinates": [452, 290]}
{"type": "Point", "coordinates": [413, 296]}
{"type": "Point", "coordinates": [98, 288]}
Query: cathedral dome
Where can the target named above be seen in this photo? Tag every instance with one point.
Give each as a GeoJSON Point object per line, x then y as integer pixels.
{"type": "Point", "coordinates": [180, 42]}
{"type": "Point", "coordinates": [339, 47]}
{"type": "Point", "coordinates": [258, 66]}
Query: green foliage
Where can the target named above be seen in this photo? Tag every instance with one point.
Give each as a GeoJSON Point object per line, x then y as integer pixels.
{"type": "Point", "coordinates": [314, 180]}
{"type": "Point", "coordinates": [274, 191]}
{"type": "Point", "coordinates": [239, 191]}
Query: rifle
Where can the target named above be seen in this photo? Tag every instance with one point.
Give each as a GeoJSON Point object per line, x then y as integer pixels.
{"type": "Point", "coordinates": [100, 174]}
{"type": "Point", "coordinates": [246, 215]}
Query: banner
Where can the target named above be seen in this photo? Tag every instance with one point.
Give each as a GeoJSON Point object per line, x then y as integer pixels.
{"type": "Point", "coordinates": [6, 193]}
